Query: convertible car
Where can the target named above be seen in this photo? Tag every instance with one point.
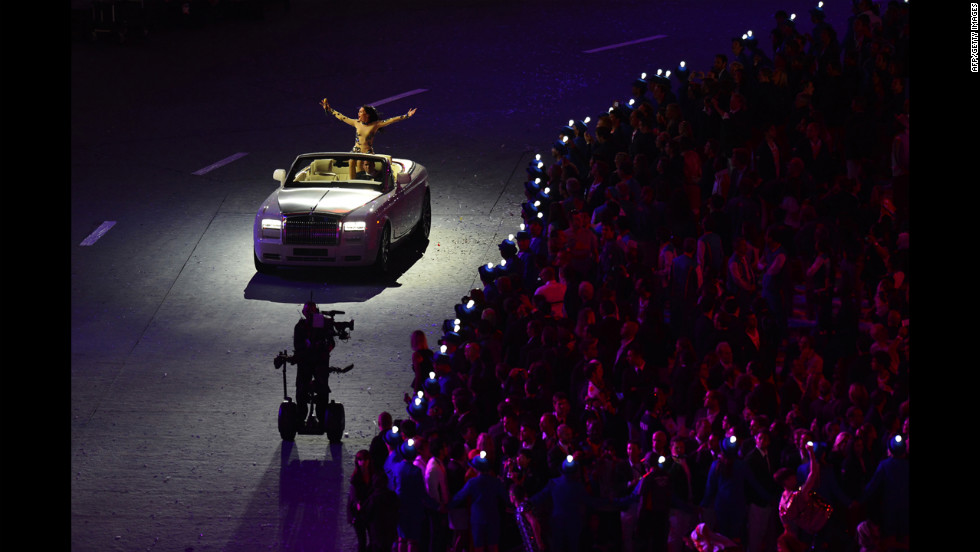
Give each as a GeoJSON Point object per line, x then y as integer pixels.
{"type": "Point", "coordinates": [341, 209]}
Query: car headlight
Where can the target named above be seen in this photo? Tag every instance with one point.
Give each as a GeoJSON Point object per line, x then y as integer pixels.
{"type": "Point", "coordinates": [354, 230]}
{"type": "Point", "coordinates": [272, 228]}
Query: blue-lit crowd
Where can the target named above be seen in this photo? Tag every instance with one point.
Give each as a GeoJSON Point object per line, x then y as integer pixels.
{"type": "Point", "coordinates": [698, 337]}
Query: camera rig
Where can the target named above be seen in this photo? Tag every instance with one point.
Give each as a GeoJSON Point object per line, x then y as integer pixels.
{"type": "Point", "coordinates": [313, 412]}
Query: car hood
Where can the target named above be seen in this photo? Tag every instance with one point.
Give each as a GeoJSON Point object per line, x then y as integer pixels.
{"type": "Point", "coordinates": [335, 201]}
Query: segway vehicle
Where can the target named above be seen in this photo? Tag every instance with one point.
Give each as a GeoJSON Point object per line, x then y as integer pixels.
{"type": "Point", "coordinates": [313, 412]}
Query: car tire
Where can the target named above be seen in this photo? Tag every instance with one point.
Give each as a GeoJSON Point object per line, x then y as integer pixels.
{"type": "Point", "coordinates": [260, 267]}
{"type": "Point", "coordinates": [384, 250]}
{"type": "Point", "coordinates": [287, 420]}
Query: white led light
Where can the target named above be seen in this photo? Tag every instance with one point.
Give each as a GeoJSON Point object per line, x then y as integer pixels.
{"type": "Point", "coordinates": [537, 157]}
{"type": "Point", "coordinates": [470, 304]}
{"type": "Point", "coordinates": [744, 36]}
{"type": "Point", "coordinates": [489, 266]}
{"type": "Point", "coordinates": [667, 74]}
{"type": "Point", "coordinates": [819, 4]}
{"type": "Point", "coordinates": [511, 236]}
{"type": "Point", "coordinates": [571, 122]}
{"type": "Point", "coordinates": [457, 322]}
{"type": "Point", "coordinates": [546, 192]}
{"type": "Point", "coordinates": [537, 203]}
{"type": "Point", "coordinates": [643, 76]}
{"type": "Point", "coordinates": [271, 224]}
{"type": "Point", "coordinates": [569, 459]}
{"type": "Point", "coordinates": [540, 165]}
{"type": "Point", "coordinates": [503, 262]}
{"type": "Point", "coordinates": [540, 215]}
{"type": "Point", "coordinates": [792, 17]}
{"type": "Point", "coordinates": [418, 401]}
{"type": "Point", "coordinates": [355, 226]}
{"type": "Point", "coordinates": [394, 429]}
{"type": "Point", "coordinates": [731, 439]}
{"type": "Point", "coordinates": [631, 101]}
{"type": "Point", "coordinates": [564, 139]}
{"type": "Point", "coordinates": [898, 438]}
{"type": "Point", "coordinates": [683, 64]}
{"type": "Point", "coordinates": [749, 33]}
{"type": "Point", "coordinates": [456, 328]}
{"type": "Point", "coordinates": [483, 454]}
{"type": "Point", "coordinates": [432, 375]}
{"type": "Point", "coordinates": [411, 442]}
{"type": "Point", "coordinates": [661, 460]}
{"type": "Point", "coordinates": [442, 349]}
{"type": "Point", "coordinates": [420, 394]}
{"type": "Point", "coordinates": [537, 181]}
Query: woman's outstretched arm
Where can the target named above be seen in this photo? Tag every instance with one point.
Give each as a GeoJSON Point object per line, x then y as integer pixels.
{"type": "Point", "coordinates": [337, 114]}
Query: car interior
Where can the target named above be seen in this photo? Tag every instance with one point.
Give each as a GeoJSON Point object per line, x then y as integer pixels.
{"type": "Point", "coordinates": [343, 170]}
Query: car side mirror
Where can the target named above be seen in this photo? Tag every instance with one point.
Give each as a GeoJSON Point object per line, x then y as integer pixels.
{"type": "Point", "coordinates": [280, 175]}
{"type": "Point", "coordinates": [403, 179]}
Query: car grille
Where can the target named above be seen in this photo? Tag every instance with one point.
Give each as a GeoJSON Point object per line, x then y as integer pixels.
{"type": "Point", "coordinates": [311, 230]}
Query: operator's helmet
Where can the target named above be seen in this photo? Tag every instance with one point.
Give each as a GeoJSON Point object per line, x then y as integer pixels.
{"type": "Point", "coordinates": [309, 308]}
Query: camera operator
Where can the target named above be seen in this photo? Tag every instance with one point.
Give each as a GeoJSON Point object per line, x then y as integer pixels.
{"type": "Point", "coordinates": [311, 346]}
{"type": "Point", "coordinates": [313, 340]}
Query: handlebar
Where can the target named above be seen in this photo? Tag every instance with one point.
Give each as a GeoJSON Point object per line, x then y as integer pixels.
{"type": "Point", "coordinates": [281, 359]}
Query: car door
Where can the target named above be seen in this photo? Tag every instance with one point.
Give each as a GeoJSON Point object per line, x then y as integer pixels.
{"type": "Point", "coordinates": [395, 208]}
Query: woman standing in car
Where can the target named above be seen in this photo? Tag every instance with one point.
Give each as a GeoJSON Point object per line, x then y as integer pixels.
{"type": "Point", "coordinates": [366, 125]}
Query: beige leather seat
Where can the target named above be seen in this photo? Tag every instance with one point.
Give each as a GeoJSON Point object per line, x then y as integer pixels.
{"type": "Point", "coordinates": [322, 170]}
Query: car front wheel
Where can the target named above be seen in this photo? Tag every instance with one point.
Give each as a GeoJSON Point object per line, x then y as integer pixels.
{"type": "Point", "coordinates": [384, 250]}
{"type": "Point", "coordinates": [260, 267]}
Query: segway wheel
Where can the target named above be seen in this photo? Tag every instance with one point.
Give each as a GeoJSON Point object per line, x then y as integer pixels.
{"type": "Point", "coordinates": [287, 420]}
{"type": "Point", "coordinates": [335, 421]}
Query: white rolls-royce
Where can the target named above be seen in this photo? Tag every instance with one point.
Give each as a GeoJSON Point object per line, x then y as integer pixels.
{"type": "Point", "coordinates": [341, 209]}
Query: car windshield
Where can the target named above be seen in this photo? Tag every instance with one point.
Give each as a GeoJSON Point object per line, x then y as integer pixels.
{"type": "Point", "coordinates": [340, 171]}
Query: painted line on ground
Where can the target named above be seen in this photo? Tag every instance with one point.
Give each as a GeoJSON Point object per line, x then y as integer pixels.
{"type": "Point", "coordinates": [98, 233]}
{"type": "Point", "coordinates": [221, 163]}
{"type": "Point", "coordinates": [622, 44]}
{"type": "Point", "coordinates": [400, 96]}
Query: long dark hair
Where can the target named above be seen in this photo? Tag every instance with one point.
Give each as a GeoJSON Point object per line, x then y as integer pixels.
{"type": "Point", "coordinates": [372, 113]}
{"type": "Point", "coordinates": [358, 473]}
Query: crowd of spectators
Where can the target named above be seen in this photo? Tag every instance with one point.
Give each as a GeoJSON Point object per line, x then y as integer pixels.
{"type": "Point", "coordinates": [706, 307]}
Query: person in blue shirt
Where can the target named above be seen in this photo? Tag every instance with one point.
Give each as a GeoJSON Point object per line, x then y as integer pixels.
{"type": "Point", "coordinates": [393, 441]}
{"type": "Point", "coordinates": [728, 479]}
{"type": "Point", "coordinates": [485, 493]}
{"type": "Point", "coordinates": [570, 502]}
{"type": "Point", "coordinates": [891, 482]}
{"type": "Point", "coordinates": [408, 482]}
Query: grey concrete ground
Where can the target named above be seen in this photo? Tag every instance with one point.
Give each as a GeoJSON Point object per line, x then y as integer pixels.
{"type": "Point", "coordinates": [173, 393]}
